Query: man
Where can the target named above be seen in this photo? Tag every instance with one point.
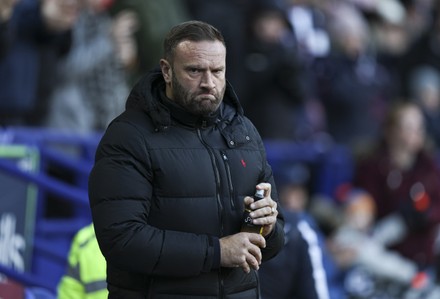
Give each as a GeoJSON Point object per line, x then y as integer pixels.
{"type": "Point", "coordinates": [171, 178]}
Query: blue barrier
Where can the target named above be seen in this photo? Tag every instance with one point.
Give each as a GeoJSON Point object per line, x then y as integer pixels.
{"type": "Point", "coordinates": [27, 279]}
{"type": "Point", "coordinates": [68, 192]}
{"type": "Point", "coordinates": [66, 152]}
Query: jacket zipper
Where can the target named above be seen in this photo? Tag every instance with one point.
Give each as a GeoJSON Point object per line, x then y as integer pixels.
{"type": "Point", "coordinates": [217, 178]}
{"type": "Point", "coordinates": [219, 201]}
{"type": "Point", "coordinates": [228, 173]}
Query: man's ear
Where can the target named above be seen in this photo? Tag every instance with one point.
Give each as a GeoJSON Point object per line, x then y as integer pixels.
{"type": "Point", "coordinates": [166, 70]}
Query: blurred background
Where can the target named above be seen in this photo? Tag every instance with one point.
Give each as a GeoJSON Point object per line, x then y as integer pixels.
{"type": "Point", "coordinates": [345, 93]}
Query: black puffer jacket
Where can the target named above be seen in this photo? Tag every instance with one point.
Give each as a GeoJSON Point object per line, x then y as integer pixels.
{"type": "Point", "coordinates": [165, 187]}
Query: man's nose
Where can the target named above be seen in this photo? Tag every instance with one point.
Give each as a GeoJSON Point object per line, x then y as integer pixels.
{"type": "Point", "coordinates": [207, 80]}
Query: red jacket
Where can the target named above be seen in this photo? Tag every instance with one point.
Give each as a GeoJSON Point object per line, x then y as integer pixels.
{"type": "Point", "coordinates": [395, 191]}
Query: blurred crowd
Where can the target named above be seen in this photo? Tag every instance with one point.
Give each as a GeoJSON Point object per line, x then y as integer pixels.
{"type": "Point", "coordinates": [360, 73]}
{"type": "Point", "coordinates": [304, 69]}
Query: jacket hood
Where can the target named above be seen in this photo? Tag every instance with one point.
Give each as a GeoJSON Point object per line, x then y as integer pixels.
{"type": "Point", "coordinates": [150, 88]}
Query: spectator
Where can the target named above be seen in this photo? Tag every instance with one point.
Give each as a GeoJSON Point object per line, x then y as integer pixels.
{"type": "Point", "coordinates": [354, 247]}
{"type": "Point", "coordinates": [291, 273]}
{"type": "Point", "coordinates": [353, 87]}
{"type": "Point", "coordinates": [154, 18]}
{"type": "Point", "coordinates": [304, 268]}
{"type": "Point", "coordinates": [36, 29]}
{"type": "Point", "coordinates": [391, 39]}
{"type": "Point", "coordinates": [402, 177]}
{"type": "Point", "coordinates": [92, 86]}
{"type": "Point", "coordinates": [273, 74]}
{"type": "Point", "coordinates": [424, 49]}
{"type": "Point", "coordinates": [425, 92]}
{"type": "Point", "coordinates": [310, 26]}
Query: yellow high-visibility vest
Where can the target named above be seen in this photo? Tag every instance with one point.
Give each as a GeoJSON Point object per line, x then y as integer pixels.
{"type": "Point", "coordinates": [85, 277]}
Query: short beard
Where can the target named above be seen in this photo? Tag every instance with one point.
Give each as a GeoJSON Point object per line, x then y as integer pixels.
{"type": "Point", "coordinates": [188, 101]}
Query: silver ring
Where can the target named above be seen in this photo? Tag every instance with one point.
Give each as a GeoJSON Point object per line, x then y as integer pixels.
{"type": "Point", "coordinates": [273, 210]}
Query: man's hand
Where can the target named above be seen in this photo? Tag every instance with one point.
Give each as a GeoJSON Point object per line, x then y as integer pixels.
{"type": "Point", "coordinates": [242, 250]}
{"type": "Point", "coordinates": [264, 210]}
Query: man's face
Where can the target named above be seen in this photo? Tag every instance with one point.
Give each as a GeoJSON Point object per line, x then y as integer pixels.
{"type": "Point", "coordinates": [196, 79]}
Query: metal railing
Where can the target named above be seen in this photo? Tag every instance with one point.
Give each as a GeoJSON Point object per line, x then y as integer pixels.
{"type": "Point", "coordinates": [70, 153]}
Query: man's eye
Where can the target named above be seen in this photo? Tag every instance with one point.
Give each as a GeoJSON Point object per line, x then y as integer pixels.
{"type": "Point", "coordinates": [194, 71]}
